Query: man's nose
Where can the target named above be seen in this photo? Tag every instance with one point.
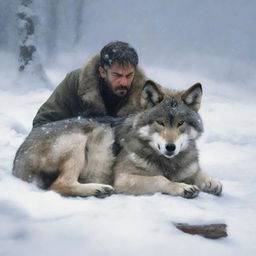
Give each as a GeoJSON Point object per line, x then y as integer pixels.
{"type": "Point", "coordinates": [123, 81]}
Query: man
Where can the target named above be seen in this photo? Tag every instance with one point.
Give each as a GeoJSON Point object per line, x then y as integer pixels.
{"type": "Point", "coordinates": [109, 84]}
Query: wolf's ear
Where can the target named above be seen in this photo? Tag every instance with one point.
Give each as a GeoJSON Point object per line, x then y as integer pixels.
{"type": "Point", "coordinates": [151, 95]}
{"type": "Point", "coordinates": [192, 97]}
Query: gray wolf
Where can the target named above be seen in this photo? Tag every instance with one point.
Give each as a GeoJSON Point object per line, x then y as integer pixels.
{"type": "Point", "coordinates": [144, 153]}
{"type": "Point", "coordinates": [159, 151]}
{"type": "Point", "coordinates": [75, 156]}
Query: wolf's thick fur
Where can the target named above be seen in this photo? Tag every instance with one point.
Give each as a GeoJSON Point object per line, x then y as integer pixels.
{"type": "Point", "coordinates": [157, 151]}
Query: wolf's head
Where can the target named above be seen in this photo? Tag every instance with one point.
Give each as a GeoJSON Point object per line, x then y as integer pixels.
{"type": "Point", "coordinates": [172, 125]}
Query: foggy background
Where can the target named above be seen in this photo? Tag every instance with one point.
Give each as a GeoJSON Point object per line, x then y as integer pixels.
{"type": "Point", "coordinates": [214, 39]}
{"type": "Point", "coordinates": [179, 42]}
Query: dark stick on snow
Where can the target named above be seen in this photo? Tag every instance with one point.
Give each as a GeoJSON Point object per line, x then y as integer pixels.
{"type": "Point", "coordinates": [212, 231]}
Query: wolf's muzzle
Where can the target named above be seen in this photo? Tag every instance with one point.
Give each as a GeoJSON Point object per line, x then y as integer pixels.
{"type": "Point", "coordinates": [170, 147]}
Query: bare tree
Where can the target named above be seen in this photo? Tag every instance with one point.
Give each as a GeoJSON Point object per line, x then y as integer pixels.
{"type": "Point", "coordinates": [29, 59]}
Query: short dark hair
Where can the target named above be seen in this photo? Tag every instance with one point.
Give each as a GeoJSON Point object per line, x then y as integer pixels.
{"type": "Point", "coordinates": [118, 52]}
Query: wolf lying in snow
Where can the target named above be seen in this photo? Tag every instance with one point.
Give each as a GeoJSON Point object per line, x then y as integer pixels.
{"type": "Point", "coordinates": [144, 153]}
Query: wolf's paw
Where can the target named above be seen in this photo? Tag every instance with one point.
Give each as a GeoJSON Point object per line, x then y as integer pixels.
{"type": "Point", "coordinates": [190, 191]}
{"type": "Point", "coordinates": [104, 191]}
{"type": "Point", "coordinates": [212, 186]}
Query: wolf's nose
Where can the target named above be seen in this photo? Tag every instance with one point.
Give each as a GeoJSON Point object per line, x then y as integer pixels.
{"type": "Point", "coordinates": [170, 147]}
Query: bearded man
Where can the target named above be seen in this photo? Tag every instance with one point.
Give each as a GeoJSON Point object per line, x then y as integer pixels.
{"type": "Point", "coordinates": [110, 84]}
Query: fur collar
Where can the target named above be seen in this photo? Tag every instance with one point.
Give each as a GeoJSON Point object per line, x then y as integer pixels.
{"type": "Point", "coordinates": [89, 93]}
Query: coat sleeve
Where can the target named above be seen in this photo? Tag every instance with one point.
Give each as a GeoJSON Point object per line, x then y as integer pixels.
{"type": "Point", "coordinates": [63, 102]}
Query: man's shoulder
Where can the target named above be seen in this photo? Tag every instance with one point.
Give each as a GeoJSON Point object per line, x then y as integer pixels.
{"type": "Point", "coordinates": [70, 82]}
{"type": "Point", "coordinates": [73, 77]}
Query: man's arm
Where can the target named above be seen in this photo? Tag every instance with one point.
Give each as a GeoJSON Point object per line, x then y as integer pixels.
{"type": "Point", "coordinates": [63, 102]}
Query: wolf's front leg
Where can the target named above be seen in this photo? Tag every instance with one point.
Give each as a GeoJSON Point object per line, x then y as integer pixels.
{"type": "Point", "coordinates": [142, 185]}
{"type": "Point", "coordinates": [83, 190]}
{"type": "Point", "coordinates": [207, 184]}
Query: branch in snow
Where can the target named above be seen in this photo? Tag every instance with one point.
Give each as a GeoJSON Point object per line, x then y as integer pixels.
{"type": "Point", "coordinates": [212, 231]}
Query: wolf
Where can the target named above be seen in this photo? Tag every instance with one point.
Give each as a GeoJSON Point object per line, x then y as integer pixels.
{"type": "Point", "coordinates": [144, 153]}
{"type": "Point", "coordinates": [74, 157]}
{"type": "Point", "coordinates": [159, 152]}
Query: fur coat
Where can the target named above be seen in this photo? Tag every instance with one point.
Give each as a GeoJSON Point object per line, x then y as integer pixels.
{"type": "Point", "coordinates": [79, 95]}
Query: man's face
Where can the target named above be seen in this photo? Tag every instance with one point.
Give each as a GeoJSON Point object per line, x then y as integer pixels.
{"type": "Point", "coordinates": [118, 78]}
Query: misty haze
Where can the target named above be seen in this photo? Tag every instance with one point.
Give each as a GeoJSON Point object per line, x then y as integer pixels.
{"type": "Point", "coordinates": [179, 43]}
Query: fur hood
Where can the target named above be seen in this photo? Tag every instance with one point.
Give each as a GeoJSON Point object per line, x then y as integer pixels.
{"type": "Point", "coordinates": [89, 92]}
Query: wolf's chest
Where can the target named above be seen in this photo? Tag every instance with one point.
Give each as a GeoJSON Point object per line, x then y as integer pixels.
{"type": "Point", "coordinates": [180, 173]}
{"type": "Point", "coordinates": [146, 167]}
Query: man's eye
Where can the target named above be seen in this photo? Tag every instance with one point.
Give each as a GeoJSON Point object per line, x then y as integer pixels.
{"type": "Point", "coordinates": [160, 122]}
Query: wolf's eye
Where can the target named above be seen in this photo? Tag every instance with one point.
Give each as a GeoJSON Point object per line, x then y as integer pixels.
{"type": "Point", "coordinates": [160, 122]}
{"type": "Point", "coordinates": [180, 123]}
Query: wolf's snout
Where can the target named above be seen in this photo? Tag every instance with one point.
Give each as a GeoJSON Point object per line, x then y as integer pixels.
{"type": "Point", "coordinates": [170, 147]}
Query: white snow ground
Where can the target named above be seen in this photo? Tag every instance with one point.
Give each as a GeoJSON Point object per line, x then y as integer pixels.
{"type": "Point", "coordinates": [36, 222]}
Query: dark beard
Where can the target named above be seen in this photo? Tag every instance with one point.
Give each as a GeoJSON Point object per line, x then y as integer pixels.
{"type": "Point", "coordinates": [110, 99]}
{"type": "Point", "coordinates": [120, 87]}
